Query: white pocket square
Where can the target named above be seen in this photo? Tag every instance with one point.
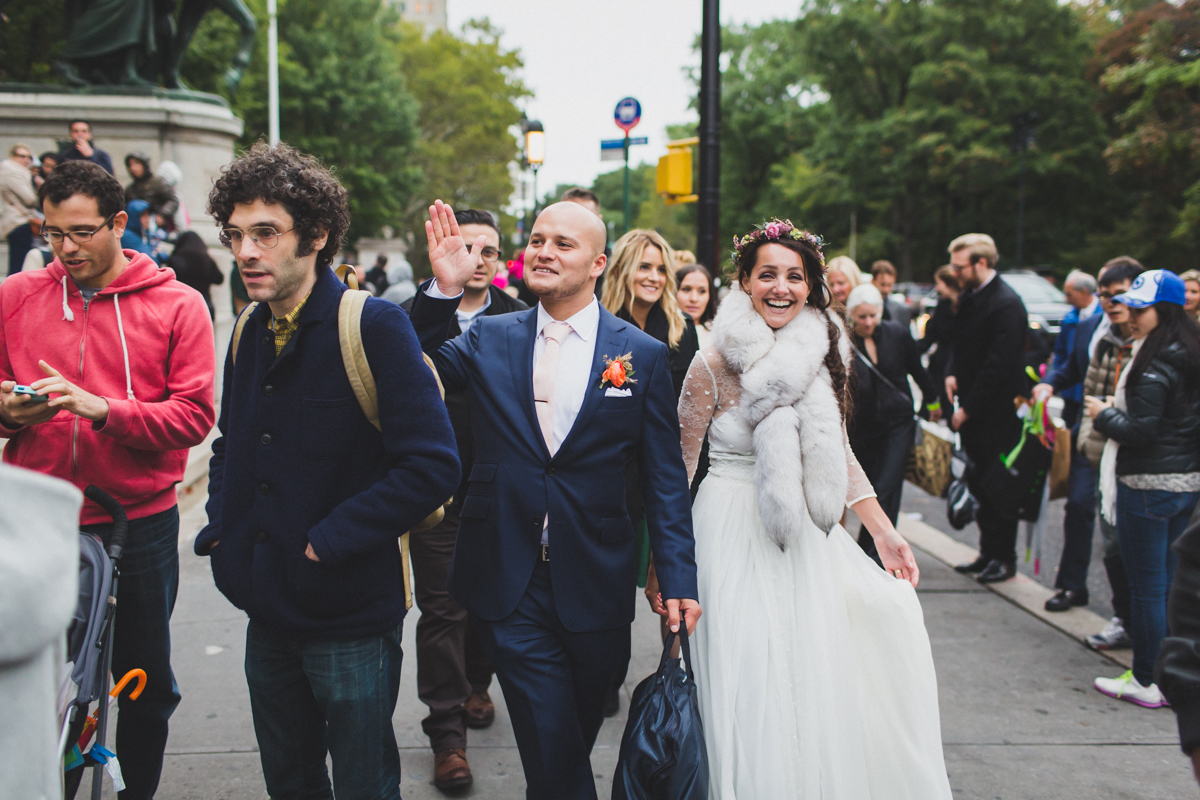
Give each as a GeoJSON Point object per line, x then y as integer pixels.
{"type": "Point", "coordinates": [615, 392]}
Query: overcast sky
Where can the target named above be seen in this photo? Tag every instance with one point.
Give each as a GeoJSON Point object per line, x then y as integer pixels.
{"type": "Point", "coordinates": [582, 57]}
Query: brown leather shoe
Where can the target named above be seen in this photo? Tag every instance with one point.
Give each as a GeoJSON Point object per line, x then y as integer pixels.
{"type": "Point", "coordinates": [481, 711]}
{"type": "Point", "coordinates": [451, 770]}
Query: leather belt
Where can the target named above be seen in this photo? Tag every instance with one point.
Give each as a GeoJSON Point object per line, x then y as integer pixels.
{"type": "Point", "coordinates": [545, 552]}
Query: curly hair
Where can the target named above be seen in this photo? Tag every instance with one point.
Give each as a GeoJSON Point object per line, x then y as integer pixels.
{"type": "Point", "coordinates": [85, 178]}
{"type": "Point", "coordinates": [296, 181]}
{"type": "Point", "coordinates": [819, 297]}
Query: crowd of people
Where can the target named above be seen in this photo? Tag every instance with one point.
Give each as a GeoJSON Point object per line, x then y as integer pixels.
{"type": "Point", "coordinates": [532, 438]}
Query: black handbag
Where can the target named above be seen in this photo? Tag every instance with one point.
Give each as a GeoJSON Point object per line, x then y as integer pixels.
{"type": "Point", "coordinates": [961, 505]}
{"type": "Point", "coordinates": [663, 756]}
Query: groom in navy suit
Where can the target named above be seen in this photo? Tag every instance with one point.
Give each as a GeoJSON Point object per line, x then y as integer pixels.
{"type": "Point", "coordinates": [545, 557]}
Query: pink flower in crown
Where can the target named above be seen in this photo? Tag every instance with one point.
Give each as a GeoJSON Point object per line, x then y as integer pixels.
{"type": "Point", "coordinates": [773, 230]}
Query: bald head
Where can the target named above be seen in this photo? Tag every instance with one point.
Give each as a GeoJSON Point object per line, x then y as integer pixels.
{"type": "Point", "coordinates": [576, 221]}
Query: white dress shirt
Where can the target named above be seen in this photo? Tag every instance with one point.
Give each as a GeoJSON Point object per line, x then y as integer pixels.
{"type": "Point", "coordinates": [465, 318]}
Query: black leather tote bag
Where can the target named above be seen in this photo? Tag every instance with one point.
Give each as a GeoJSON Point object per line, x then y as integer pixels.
{"type": "Point", "coordinates": [662, 752]}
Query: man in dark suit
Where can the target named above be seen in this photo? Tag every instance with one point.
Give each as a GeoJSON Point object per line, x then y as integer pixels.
{"type": "Point", "coordinates": [985, 373]}
{"type": "Point", "coordinates": [545, 559]}
{"type": "Point", "coordinates": [453, 674]}
{"type": "Point", "coordinates": [883, 278]}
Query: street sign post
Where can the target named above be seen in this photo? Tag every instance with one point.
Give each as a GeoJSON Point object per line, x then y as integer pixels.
{"type": "Point", "coordinates": [627, 115]}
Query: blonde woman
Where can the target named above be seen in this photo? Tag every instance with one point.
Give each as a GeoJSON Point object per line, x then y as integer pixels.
{"type": "Point", "coordinates": [1191, 283]}
{"type": "Point", "coordinates": [639, 287]}
{"type": "Point", "coordinates": [843, 277]}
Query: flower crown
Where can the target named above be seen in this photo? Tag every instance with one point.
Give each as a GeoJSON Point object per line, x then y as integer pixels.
{"type": "Point", "coordinates": [778, 229]}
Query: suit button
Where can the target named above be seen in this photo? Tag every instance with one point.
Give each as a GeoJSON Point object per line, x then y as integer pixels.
{"type": "Point", "coordinates": [264, 487]}
{"type": "Point", "coordinates": [550, 470]}
{"type": "Point", "coordinates": [268, 389]}
{"type": "Point", "coordinates": [538, 520]}
{"type": "Point", "coordinates": [265, 438]}
{"type": "Point", "coordinates": [261, 538]}
{"type": "Point", "coordinates": [266, 340]}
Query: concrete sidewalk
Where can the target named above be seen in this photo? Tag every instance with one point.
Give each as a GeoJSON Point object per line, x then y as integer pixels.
{"type": "Point", "coordinates": [1020, 718]}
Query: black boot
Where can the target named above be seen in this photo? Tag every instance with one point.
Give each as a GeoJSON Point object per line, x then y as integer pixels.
{"type": "Point", "coordinates": [972, 567]}
{"type": "Point", "coordinates": [997, 571]}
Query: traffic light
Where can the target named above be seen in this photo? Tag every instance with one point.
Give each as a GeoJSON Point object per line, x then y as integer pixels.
{"type": "Point", "coordinates": [673, 179]}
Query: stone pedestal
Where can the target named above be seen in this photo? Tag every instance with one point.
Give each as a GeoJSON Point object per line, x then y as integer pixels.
{"type": "Point", "coordinates": [196, 134]}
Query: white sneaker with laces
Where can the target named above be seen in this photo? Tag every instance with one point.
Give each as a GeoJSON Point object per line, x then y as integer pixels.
{"type": "Point", "coordinates": [1113, 637]}
{"type": "Point", "coordinates": [1127, 688]}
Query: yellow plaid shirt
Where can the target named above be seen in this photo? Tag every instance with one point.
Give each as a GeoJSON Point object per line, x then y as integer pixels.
{"type": "Point", "coordinates": [284, 328]}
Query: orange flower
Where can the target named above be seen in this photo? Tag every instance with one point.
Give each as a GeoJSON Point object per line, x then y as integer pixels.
{"type": "Point", "coordinates": [615, 374]}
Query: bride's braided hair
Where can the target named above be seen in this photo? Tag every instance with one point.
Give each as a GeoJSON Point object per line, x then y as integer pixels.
{"type": "Point", "coordinates": [819, 298]}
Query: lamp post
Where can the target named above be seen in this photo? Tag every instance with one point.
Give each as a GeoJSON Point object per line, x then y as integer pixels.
{"type": "Point", "coordinates": [535, 154]}
{"type": "Point", "coordinates": [272, 73]}
{"type": "Point", "coordinates": [709, 204]}
{"type": "Point", "coordinates": [1023, 139]}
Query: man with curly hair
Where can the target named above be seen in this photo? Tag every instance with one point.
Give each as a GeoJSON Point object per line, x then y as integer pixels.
{"type": "Point", "coordinates": [307, 499]}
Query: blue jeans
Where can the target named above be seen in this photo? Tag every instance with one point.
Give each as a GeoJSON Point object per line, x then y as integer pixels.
{"type": "Point", "coordinates": [146, 594]}
{"type": "Point", "coordinates": [1148, 523]}
{"type": "Point", "coordinates": [1079, 523]}
{"type": "Point", "coordinates": [310, 698]}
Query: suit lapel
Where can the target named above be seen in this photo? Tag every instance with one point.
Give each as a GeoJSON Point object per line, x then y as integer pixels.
{"type": "Point", "coordinates": [609, 342]}
{"type": "Point", "coordinates": [521, 335]}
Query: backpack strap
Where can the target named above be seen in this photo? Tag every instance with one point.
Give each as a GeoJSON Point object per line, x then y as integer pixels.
{"type": "Point", "coordinates": [237, 330]}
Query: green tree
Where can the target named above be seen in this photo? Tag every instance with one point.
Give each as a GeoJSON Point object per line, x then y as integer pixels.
{"type": "Point", "coordinates": [30, 39]}
{"type": "Point", "coordinates": [467, 89]}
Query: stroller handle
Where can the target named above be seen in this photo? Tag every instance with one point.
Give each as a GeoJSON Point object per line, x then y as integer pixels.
{"type": "Point", "coordinates": [116, 545]}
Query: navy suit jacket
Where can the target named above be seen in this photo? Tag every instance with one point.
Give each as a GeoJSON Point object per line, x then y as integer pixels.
{"type": "Point", "coordinates": [1072, 370]}
{"type": "Point", "coordinates": [515, 482]}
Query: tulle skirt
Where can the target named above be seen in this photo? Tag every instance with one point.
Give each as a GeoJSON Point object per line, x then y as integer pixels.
{"type": "Point", "coordinates": [813, 665]}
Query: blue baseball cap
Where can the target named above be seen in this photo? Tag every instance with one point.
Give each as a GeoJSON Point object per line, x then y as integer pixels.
{"type": "Point", "coordinates": [1154, 286]}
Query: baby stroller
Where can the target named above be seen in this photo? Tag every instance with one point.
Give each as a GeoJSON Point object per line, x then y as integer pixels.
{"type": "Point", "coordinates": [89, 656]}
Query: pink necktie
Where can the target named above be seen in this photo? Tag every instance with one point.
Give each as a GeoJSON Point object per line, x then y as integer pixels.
{"type": "Point", "coordinates": [544, 375]}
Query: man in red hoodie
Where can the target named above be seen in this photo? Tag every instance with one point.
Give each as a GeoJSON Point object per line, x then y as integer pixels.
{"type": "Point", "coordinates": [125, 354]}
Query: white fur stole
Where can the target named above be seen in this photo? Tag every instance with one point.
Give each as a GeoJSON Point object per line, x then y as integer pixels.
{"type": "Point", "coordinates": [787, 396]}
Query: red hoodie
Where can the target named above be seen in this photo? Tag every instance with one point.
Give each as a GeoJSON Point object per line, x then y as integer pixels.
{"type": "Point", "coordinates": [145, 344]}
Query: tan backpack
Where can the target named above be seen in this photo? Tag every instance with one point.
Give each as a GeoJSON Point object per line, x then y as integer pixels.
{"type": "Point", "coordinates": [358, 371]}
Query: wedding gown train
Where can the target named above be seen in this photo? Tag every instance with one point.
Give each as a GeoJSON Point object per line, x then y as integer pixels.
{"type": "Point", "coordinates": [814, 669]}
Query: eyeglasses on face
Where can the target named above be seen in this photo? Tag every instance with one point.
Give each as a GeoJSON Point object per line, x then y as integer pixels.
{"type": "Point", "coordinates": [490, 254]}
{"type": "Point", "coordinates": [78, 237]}
{"type": "Point", "coordinates": [263, 236]}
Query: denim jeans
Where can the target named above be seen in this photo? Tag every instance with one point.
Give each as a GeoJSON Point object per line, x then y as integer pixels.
{"type": "Point", "coordinates": [1079, 523]}
{"type": "Point", "coordinates": [309, 698]}
{"type": "Point", "coordinates": [1148, 523]}
{"type": "Point", "coordinates": [146, 594]}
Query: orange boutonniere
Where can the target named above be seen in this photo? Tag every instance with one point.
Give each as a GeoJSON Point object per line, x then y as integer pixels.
{"type": "Point", "coordinates": [617, 371]}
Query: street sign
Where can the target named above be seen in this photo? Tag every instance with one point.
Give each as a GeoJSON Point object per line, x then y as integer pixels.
{"type": "Point", "coordinates": [614, 149]}
{"type": "Point", "coordinates": [627, 114]}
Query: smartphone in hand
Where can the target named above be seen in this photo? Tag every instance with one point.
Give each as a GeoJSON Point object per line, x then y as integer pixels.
{"type": "Point", "coordinates": [34, 397]}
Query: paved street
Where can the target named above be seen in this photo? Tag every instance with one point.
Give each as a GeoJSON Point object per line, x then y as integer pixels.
{"type": "Point", "coordinates": [1020, 719]}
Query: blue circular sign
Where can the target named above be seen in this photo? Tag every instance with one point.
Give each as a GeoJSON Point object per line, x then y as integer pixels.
{"type": "Point", "coordinates": [628, 114]}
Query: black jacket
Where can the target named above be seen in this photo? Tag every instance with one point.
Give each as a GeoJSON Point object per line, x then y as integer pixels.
{"type": "Point", "coordinates": [458, 403]}
{"type": "Point", "coordinates": [877, 406]}
{"type": "Point", "coordinates": [990, 330]}
{"type": "Point", "coordinates": [939, 329]}
{"type": "Point", "coordinates": [1178, 670]}
{"type": "Point", "coordinates": [1160, 430]}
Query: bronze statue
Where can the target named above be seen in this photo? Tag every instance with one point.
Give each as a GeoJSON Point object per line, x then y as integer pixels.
{"type": "Point", "coordinates": [138, 43]}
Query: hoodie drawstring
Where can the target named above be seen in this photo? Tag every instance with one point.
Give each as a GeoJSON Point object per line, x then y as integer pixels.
{"type": "Point", "coordinates": [124, 346]}
{"type": "Point", "coordinates": [67, 315]}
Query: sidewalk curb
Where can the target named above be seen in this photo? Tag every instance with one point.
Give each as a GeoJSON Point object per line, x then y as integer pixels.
{"type": "Point", "coordinates": [1022, 591]}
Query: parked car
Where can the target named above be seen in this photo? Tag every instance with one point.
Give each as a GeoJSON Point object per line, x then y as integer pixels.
{"type": "Point", "coordinates": [1046, 304]}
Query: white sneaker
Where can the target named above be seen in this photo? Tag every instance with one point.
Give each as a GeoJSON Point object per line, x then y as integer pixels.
{"type": "Point", "coordinates": [1113, 637]}
{"type": "Point", "coordinates": [1127, 688]}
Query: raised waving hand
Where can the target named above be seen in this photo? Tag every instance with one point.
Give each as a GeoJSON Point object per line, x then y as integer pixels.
{"type": "Point", "coordinates": [452, 264]}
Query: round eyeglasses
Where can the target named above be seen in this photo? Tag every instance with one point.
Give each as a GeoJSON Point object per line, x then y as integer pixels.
{"type": "Point", "coordinates": [263, 236]}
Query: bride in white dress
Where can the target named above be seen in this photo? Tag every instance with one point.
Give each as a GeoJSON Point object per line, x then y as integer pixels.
{"type": "Point", "coordinates": [813, 665]}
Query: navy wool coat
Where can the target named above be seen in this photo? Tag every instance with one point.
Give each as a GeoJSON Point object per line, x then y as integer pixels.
{"type": "Point", "coordinates": [297, 463]}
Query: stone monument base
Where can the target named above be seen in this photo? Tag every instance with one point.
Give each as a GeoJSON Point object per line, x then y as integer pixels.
{"type": "Point", "coordinates": [195, 131]}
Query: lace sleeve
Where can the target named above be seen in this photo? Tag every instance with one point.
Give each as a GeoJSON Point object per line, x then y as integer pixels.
{"type": "Point", "coordinates": [696, 404]}
{"type": "Point", "coordinates": [858, 487]}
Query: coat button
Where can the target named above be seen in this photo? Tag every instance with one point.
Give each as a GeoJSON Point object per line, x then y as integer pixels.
{"type": "Point", "coordinates": [265, 438]}
{"type": "Point", "coordinates": [267, 340]}
{"type": "Point", "coordinates": [261, 538]}
{"type": "Point", "coordinates": [538, 520]}
{"type": "Point", "coordinates": [264, 487]}
{"type": "Point", "coordinates": [268, 389]}
{"type": "Point", "coordinates": [550, 470]}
